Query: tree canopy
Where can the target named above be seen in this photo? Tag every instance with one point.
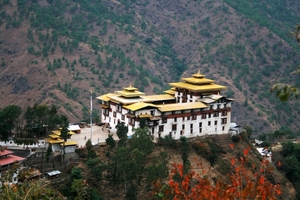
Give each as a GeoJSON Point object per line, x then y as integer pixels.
{"type": "Point", "coordinates": [286, 91]}
{"type": "Point", "coordinates": [9, 116]}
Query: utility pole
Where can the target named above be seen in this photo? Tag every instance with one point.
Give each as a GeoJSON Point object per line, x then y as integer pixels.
{"type": "Point", "coordinates": [91, 117]}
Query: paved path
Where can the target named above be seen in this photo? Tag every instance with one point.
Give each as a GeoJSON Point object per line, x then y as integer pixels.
{"type": "Point", "coordinates": [99, 134]}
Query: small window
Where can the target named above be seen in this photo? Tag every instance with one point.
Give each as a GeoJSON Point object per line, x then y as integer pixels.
{"type": "Point", "coordinates": [200, 130]}
{"type": "Point", "coordinates": [200, 124]}
{"type": "Point", "coordinates": [194, 117]}
{"type": "Point", "coordinates": [119, 108]}
{"type": "Point", "coordinates": [224, 120]}
{"type": "Point", "coordinates": [208, 123]}
{"type": "Point", "coordinates": [164, 120]}
{"type": "Point", "coordinates": [123, 117]}
{"type": "Point", "coordinates": [223, 128]}
{"type": "Point", "coordinates": [174, 127]}
{"type": "Point", "coordinates": [188, 118]}
{"type": "Point", "coordinates": [211, 107]}
{"type": "Point", "coordinates": [175, 119]}
{"type": "Point", "coordinates": [204, 116]}
{"type": "Point", "coordinates": [161, 128]}
{"type": "Point", "coordinates": [209, 115]}
{"type": "Point", "coordinates": [224, 113]}
{"type": "Point", "coordinates": [132, 121]}
{"type": "Point", "coordinates": [216, 122]}
{"type": "Point", "coordinates": [216, 114]}
{"type": "Point", "coordinates": [114, 114]}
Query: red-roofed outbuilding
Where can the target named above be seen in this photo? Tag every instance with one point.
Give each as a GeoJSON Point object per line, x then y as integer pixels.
{"type": "Point", "coordinates": [7, 158]}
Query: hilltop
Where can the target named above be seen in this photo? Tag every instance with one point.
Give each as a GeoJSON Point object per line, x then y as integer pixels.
{"type": "Point", "coordinates": [56, 51]}
{"type": "Point", "coordinates": [211, 155]}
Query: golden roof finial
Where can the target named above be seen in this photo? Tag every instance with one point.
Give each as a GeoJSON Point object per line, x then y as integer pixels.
{"type": "Point", "coordinates": [198, 71]}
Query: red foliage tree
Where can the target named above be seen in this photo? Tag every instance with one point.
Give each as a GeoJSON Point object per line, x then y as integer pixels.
{"type": "Point", "coordinates": [242, 183]}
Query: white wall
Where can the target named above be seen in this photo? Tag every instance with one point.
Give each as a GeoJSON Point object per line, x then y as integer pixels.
{"type": "Point", "coordinates": [12, 144]}
{"type": "Point", "coordinates": [70, 149]}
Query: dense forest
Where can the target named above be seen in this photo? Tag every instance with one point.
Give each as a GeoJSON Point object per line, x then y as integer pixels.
{"type": "Point", "coordinates": [137, 168]}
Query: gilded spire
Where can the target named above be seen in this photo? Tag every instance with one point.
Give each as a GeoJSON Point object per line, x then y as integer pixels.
{"type": "Point", "coordinates": [198, 74]}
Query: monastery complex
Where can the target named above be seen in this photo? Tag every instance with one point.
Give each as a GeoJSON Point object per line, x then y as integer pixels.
{"type": "Point", "coordinates": [192, 107]}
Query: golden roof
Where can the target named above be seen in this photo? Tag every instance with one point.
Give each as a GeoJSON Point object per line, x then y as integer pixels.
{"type": "Point", "coordinates": [215, 96]}
{"type": "Point", "coordinates": [145, 115]}
{"type": "Point", "coordinates": [199, 88]}
{"type": "Point", "coordinates": [58, 133]}
{"type": "Point", "coordinates": [138, 105]}
{"type": "Point", "coordinates": [130, 88]}
{"type": "Point", "coordinates": [125, 101]}
{"type": "Point", "coordinates": [181, 106]}
{"type": "Point", "coordinates": [159, 97]}
{"type": "Point", "coordinates": [198, 83]}
{"type": "Point", "coordinates": [105, 97]}
{"type": "Point", "coordinates": [171, 92]}
{"type": "Point", "coordinates": [54, 141]}
{"type": "Point", "coordinates": [128, 93]}
{"type": "Point", "coordinates": [71, 133]}
{"type": "Point", "coordinates": [69, 143]}
{"type": "Point", "coordinates": [104, 106]}
{"type": "Point", "coordinates": [198, 75]}
{"type": "Point", "coordinates": [54, 136]}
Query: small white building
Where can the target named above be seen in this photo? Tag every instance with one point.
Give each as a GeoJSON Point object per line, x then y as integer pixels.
{"type": "Point", "coordinates": [235, 129]}
{"type": "Point", "coordinates": [74, 128]}
{"type": "Point", "coordinates": [57, 142]}
{"type": "Point", "coordinates": [69, 146]}
{"type": "Point", "coordinates": [266, 153]}
{"type": "Point", "coordinates": [193, 107]}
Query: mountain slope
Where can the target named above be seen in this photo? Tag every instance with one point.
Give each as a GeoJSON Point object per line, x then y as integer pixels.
{"type": "Point", "coordinates": [56, 51]}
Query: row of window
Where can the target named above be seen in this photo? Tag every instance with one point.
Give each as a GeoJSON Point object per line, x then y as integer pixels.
{"type": "Point", "coordinates": [115, 115]}
{"type": "Point", "coordinates": [194, 117]}
{"type": "Point", "coordinates": [165, 120]}
{"type": "Point", "coordinates": [174, 128]}
{"type": "Point", "coordinates": [204, 116]}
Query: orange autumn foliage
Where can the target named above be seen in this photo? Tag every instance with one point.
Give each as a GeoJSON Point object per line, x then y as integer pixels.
{"type": "Point", "coordinates": [242, 183]}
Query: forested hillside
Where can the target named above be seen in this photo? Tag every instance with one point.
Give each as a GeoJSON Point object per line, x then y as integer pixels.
{"type": "Point", "coordinates": [56, 51]}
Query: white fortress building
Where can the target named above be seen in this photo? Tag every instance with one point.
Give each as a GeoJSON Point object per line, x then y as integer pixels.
{"type": "Point", "coordinates": [192, 107]}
